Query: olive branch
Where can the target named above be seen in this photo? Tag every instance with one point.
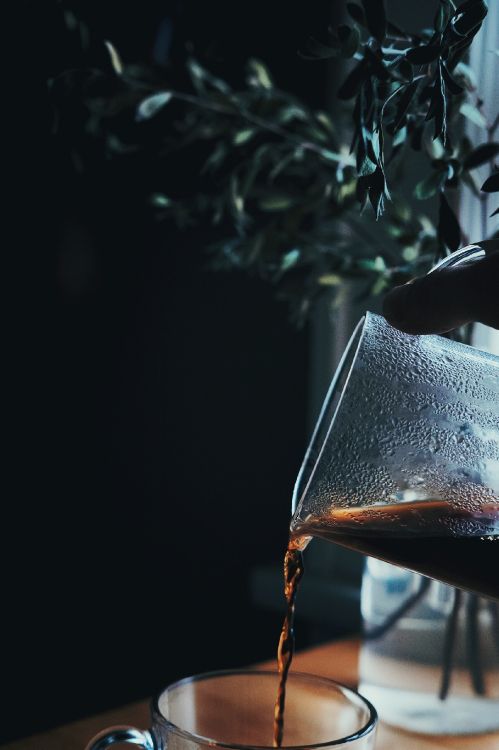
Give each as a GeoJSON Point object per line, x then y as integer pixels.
{"type": "Point", "coordinates": [282, 189]}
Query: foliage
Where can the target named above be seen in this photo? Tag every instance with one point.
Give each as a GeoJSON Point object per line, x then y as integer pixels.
{"type": "Point", "coordinates": [278, 184]}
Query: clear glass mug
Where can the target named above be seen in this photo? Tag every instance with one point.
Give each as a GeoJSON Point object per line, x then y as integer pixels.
{"type": "Point", "coordinates": [403, 464]}
{"type": "Point", "coordinates": [235, 709]}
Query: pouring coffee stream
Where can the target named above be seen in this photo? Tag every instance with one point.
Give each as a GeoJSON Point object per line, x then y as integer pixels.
{"type": "Point", "coordinates": [403, 464]}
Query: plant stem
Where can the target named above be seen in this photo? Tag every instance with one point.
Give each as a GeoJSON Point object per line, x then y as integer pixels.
{"type": "Point", "coordinates": [346, 159]}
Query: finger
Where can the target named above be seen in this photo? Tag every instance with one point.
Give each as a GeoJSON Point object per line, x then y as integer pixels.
{"type": "Point", "coordinates": [447, 299]}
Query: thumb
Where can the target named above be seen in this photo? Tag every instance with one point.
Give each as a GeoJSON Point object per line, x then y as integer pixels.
{"type": "Point", "coordinates": [447, 299]}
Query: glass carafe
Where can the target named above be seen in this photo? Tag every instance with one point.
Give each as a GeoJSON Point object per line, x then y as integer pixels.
{"type": "Point", "coordinates": [403, 464]}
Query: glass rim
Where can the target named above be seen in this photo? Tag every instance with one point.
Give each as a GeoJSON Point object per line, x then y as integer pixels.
{"type": "Point", "coordinates": [348, 692]}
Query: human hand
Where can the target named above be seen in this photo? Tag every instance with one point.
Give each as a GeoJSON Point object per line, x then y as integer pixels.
{"type": "Point", "coordinates": [447, 298]}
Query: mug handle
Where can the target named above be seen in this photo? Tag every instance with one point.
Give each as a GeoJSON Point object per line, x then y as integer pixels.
{"type": "Point", "coordinates": [130, 735]}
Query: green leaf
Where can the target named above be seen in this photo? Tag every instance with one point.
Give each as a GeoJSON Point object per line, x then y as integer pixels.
{"type": "Point", "coordinates": [349, 40]}
{"type": "Point", "coordinates": [376, 190]}
{"type": "Point", "coordinates": [379, 285]}
{"type": "Point", "coordinates": [344, 159]}
{"type": "Point", "coordinates": [291, 112]}
{"type": "Point", "coordinates": [276, 202]}
{"type": "Point", "coordinates": [151, 106]}
{"type": "Point", "coordinates": [410, 253]}
{"type": "Point", "coordinates": [427, 226]}
{"type": "Point", "coordinates": [454, 87]}
{"type": "Point", "coordinates": [282, 165]}
{"type": "Point", "coordinates": [379, 263]}
{"type": "Point", "coordinates": [436, 148]}
{"type": "Point", "coordinates": [438, 105]}
{"type": "Point", "coordinates": [374, 11]}
{"type": "Point", "coordinates": [159, 200]}
{"type": "Point", "coordinates": [243, 136]}
{"type": "Point", "coordinates": [441, 16]}
{"type": "Point", "coordinates": [325, 121]}
{"type": "Point", "coordinates": [353, 81]}
{"type": "Point", "coordinates": [449, 230]}
{"type": "Point", "coordinates": [468, 17]}
{"type": "Point", "coordinates": [115, 58]}
{"type": "Point", "coordinates": [255, 248]}
{"type": "Point", "coordinates": [400, 137]}
{"type": "Point", "coordinates": [372, 264]}
{"type": "Point", "coordinates": [215, 158]}
{"type": "Point", "coordinates": [491, 184]}
{"type": "Point", "coordinates": [404, 101]}
{"type": "Point", "coordinates": [424, 54]}
{"type": "Point", "coordinates": [430, 185]}
{"type": "Point", "coordinates": [480, 155]}
{"type": "Point", "coordinates": [255, 165]}
{"type": "Point", "coordinates": [330, 279]}
{"type": "Point", "coordinates": [200, 76]}
{"type": "Point", "coordinates": [470, 181]}
{"type": "Point", "coordinates": [236, 198]}
{"type": "Point", "coordinates": [366, 167]}
{"type": "Point", "coordinates": [347, 190]}
{"type": "Point", "coordinates": [473, 114]}
{"type": "Point", "coordinates": [71, 20]}
{"type": "Point", "coordinates": [290, 259]}
{"type": "Point", "coordinates": [467, 74]}
{"type": "Point", "coordinates": [118, 146]}
{"type": "Point", "coordinates": [258, 75]}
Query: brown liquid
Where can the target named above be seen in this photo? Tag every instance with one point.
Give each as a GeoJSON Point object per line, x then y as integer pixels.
{"type": "Point", "coordinates": [293, 571]}
{"type": "Point", "coordinates": [454, 545]}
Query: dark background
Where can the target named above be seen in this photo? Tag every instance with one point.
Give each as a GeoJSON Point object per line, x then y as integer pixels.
{"type": "Point", "coordinates": [158, 409]}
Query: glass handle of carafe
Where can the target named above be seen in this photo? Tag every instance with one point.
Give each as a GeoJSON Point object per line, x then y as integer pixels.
{"type": "Point", "coordinates": [121, 734]}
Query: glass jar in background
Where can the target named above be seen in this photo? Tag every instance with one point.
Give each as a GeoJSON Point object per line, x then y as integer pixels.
{"type": "Point", "coordinates": [430, 655]}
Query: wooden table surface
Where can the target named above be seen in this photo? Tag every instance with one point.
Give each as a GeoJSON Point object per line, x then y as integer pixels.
{"type": "Point", "coordinates": [337, 660]}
